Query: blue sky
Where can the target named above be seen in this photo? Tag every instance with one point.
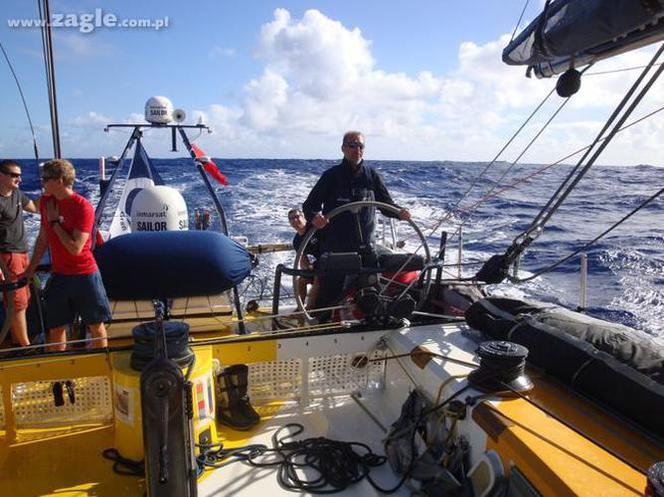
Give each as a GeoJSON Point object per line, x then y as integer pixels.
{"type": "Point", "coordinates": [422, 79]}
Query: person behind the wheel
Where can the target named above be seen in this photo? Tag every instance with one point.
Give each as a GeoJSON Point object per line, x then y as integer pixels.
{"type": "Point", "coordinates": [350, 181]}
{"type": "Point", "coordinates": [300, 225]}
{"type": "Point", "coordinates": [67, 219]}
{"type": "Point", "coordinates": [13, 244]}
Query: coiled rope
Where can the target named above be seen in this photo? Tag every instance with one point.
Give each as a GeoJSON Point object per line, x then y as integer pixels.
{"type": "Point", "coordinates": [336, 465]}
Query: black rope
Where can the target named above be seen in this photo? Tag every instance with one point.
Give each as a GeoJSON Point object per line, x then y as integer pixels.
{"type": "Point", "coordinates": [423, 352]}
{"type": "Point", "coordinates": [591, 242]}
{"type": "Point", "coordinates": [177, 346]}
{"type": "Point", "coordinates": [123, 465]}
{"type": "Point", "coordinates": [336, 465]}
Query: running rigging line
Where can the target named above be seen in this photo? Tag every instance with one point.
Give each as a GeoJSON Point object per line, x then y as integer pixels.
{"type": "Point", "coordinates": [25, 105]}
{"type": "Point", "coordinates": [491, 193]}
{"type": "Point", "coordinates": [591, 242]}
{"type": "Point", "coordinates": [525, 179]}
{"type": "Point", "coordinates": [439, 223]}
{"type": "Point", "coordinates": [571, 181]}
{"type": "Point", "coordinates": [467, 211]}
{"type": "Point", "coordinates": [518, 23]}
{"type": "Point", "coordinates": [495, 269]}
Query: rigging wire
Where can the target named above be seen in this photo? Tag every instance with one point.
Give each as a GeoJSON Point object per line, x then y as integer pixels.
{"type": "Point", "coordinates": [516, 27]}
{"type": "Point", "coordinates": [624, 69]}
{"type": "Point", "coordinates": [47, 47]}
{"type": "Point", "coordinates": [525, 179]}
{"type": "Point", "coordinates": [591, 242]}
{"type": "Point", "coordinates": [523, 152]}
{"type": "Point", "coordinates": [439, 223]}
{"type": "Point", "coordinates": [522, 241]}
{"type": "Point", "coordinates": [571, 180]}
{"type": "Point", "coordinates": [486, 168]}
{"type": "Point", "coordinates": [25, 105]}
{"type": "Point", "coordinates": [529, 176]}
{"type": "Point", "coordinates": [600, 139]}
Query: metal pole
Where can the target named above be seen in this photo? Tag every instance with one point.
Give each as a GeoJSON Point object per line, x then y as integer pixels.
{"type": "Point", "coordinates": [107, 188]}
{"type": "Point", "coordinates": [222, 217]}
{"type": "Point", "coordinates": [515, 267]}
{"type": "Point", "coordinates": [583, 282]}
{"type": "Point", "coordinates": [47, 39]}
{"type": "Point", "coordinates": [276, 294]}
{"type": "Point", "coordinates": [441, 257]}
{"type": "Point", "coordinates": [206, 181]}
{"type": "Point", "coordinates": [460, 255]}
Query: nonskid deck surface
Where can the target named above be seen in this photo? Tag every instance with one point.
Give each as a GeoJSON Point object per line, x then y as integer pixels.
{"type": "Point", "coordinates": [341, 419]}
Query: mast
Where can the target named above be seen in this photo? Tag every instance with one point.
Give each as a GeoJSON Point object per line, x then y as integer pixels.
{"type": "Point", "coordinates": [47, 45]}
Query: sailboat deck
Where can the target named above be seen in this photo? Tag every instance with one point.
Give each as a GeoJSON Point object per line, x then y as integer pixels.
{"type": "Point", "coordinates": [72, 465]}
{"type": "Point", "coordinates": [559, 441]}
{"type": "Point", "coordinates": [345, 420]}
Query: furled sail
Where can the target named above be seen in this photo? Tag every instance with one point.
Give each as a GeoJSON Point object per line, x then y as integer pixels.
{"type": "Point", "coordinates": [573, 33]}
{"type": "Point", "coordinates": [142, 174]}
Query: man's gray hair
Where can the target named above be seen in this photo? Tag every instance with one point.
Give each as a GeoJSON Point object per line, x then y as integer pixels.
{"type": "Point", "coordinates": [349, 134]}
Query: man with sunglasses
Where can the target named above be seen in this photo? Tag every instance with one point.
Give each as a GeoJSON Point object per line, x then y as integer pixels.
{"type": "Point", "coordinates": [76, 287]}
{"type": "Point", "coordinates": [13, 243]}
{"type": "Point", "coordinates": [350, 181]}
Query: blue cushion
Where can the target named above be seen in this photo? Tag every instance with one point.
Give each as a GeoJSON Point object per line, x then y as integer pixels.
{"type": "Point", "coordinates": [171, 264]}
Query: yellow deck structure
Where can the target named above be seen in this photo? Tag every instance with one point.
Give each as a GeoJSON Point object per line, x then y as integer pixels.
{"type": "Point", "coordinates": [566, 447]}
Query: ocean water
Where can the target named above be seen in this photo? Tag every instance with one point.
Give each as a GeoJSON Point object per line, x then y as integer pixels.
{"type": "Point", "coordinates": [626, 268]}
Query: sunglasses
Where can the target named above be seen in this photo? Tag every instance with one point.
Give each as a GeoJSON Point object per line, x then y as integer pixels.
{"type": "Point", "coordinates": [359, 145]}
{"type": "Point", "coordinates": [13, 175]}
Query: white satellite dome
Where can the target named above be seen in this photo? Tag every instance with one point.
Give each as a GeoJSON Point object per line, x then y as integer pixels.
{"type": "Point", "coordinates": [158, 110]}
{"type": "Point", "coordinates": [159, 208]}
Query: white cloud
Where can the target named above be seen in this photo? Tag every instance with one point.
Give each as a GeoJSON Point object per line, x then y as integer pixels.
{"type": "Point", "coordinates": [321, 57]}
{"type": "Point", "coordinates": [320, 79]}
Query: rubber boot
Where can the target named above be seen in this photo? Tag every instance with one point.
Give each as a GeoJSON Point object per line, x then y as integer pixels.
{"type": "Point", "coordinates": [233, 407]}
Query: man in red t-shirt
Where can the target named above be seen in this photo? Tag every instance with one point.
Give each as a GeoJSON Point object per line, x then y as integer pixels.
{"type": "Point", "coordinates": [67, 219]}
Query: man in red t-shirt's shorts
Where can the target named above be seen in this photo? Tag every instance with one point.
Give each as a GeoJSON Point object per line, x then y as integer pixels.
{"type": "Point", "coordinates": [76, 287]}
